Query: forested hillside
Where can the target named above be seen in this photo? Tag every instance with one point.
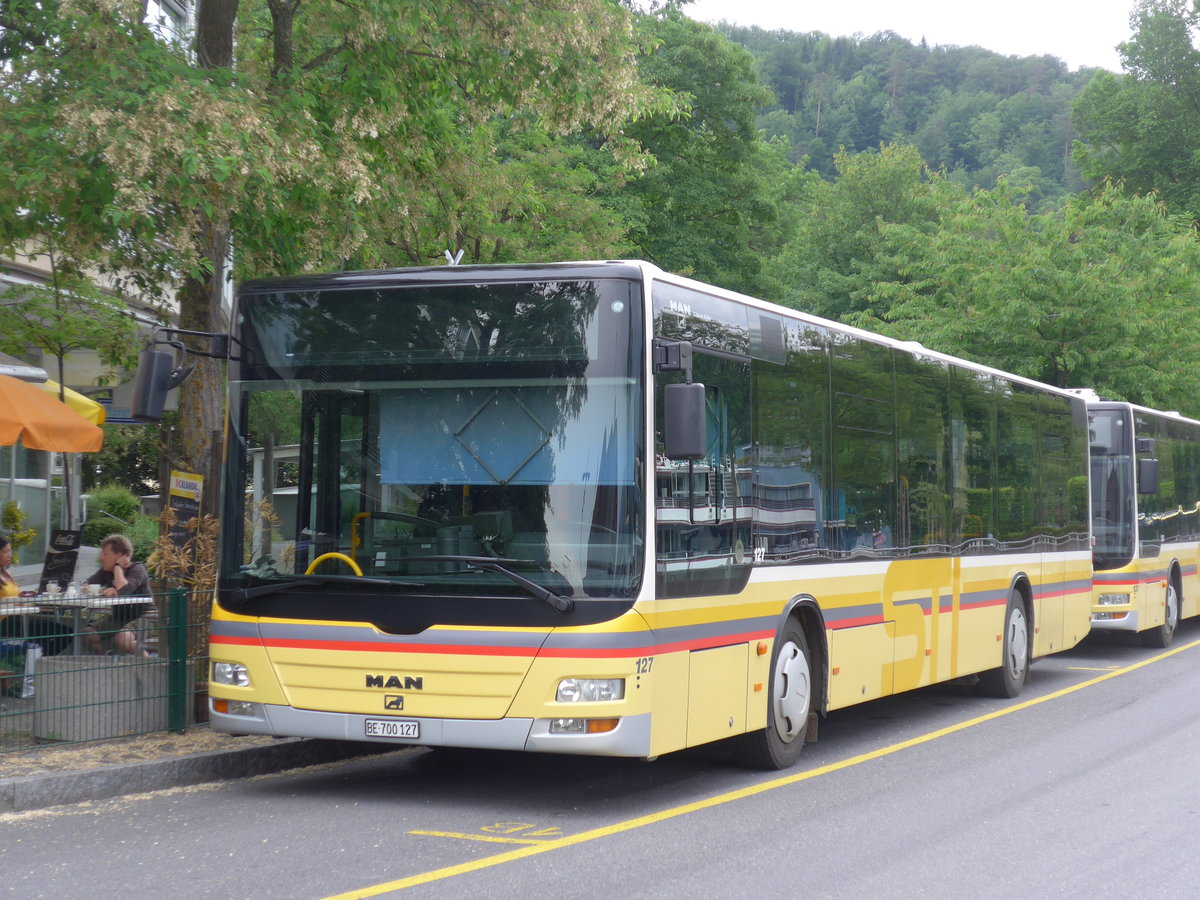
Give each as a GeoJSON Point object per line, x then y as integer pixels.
{"type": "Point", "coordinates": [972, 112]}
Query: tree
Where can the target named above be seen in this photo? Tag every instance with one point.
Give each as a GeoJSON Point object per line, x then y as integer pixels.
{"type": "Point", "coordinates": [711, 205]}
{"type": "Point", "coordinates": [69, 313]}
{"type": "Point", "coordinates": [129, 457]}
{"type": "Point", "coordinates": [1098, 294]}
{"type": "Point", "coordinates": [305, 128]}
{"type": "Point", "coordinates": [832, 262]}
{"type": "Point", "coordinates": [1143, 128]}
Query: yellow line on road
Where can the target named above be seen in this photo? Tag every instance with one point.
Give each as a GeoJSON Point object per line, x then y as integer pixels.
{"type": "Point", "coordinates": [730, 796]}
{"type": "Point", "coordinates": [478, 837]}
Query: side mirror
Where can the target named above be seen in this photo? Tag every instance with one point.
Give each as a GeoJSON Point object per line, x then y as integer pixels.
{"type": "Point", "coordinates": [151, 384]}
{"type": "Point", "coordinates": [1147, 476]}
{"type": "Point", "coordinates": [684, 423]}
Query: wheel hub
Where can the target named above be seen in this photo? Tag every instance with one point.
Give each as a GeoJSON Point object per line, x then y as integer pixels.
{"type": "Point", "coordinates": [1018, 644]}
{"type": "Point", "coordinates": [792, 692]}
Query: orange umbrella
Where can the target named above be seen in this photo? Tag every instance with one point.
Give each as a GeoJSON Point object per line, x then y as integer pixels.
{"type": "Point", "coordinates": [42, 422]}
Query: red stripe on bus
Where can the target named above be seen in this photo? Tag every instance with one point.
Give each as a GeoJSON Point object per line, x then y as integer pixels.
{"type": "Point", "coordinates": [473, 650]}
{"type": "Point", "coordinates": [854, 623]}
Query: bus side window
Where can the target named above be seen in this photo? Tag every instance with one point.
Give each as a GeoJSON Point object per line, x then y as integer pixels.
{"type": "Point", "coordinates": [790, 463]}
{"type": "Point", "coordinates": [863, 514]}
{"type": "Point", "coordinates": [702, 513]}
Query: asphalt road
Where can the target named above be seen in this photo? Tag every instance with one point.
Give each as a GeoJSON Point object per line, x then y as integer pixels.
{"type": "Point", "coordinates": [1088, 785]}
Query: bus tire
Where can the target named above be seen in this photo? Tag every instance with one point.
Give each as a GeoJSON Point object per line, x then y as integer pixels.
{"type": "Point", "coordinates": [1007, 679]}
{"type": "Point", "coordinates": [789, 704]}
{"type": "Point", "coordinates": [1162, 636]}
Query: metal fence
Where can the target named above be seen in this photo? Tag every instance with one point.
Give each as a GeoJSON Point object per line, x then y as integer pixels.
{"type": "Point", "coordinates": [70, 673]}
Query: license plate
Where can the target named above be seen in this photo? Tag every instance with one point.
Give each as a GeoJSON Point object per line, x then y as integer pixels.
{"type": "Point", "coordinates": [392, 728]}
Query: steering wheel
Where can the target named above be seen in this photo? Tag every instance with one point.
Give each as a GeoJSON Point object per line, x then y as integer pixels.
{"type": "Point", "coordinates": [342, 556]}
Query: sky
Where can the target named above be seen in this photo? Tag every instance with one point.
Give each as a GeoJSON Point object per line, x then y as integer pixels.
{"type": "Point", "coordinates": [1079, 32]}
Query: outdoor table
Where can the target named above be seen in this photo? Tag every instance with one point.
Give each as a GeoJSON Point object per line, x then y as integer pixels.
{"type": "Point", "coordinates": [77, 605]}
{"type": "Point", "coordinates": [15, 606]}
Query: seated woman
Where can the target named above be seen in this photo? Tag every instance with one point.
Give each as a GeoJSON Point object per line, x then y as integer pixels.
{"type": "Point", "coordinates": [53, 636]}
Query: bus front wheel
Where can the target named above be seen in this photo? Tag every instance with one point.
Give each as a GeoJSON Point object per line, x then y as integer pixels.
{"type": "Point", "coordinates": [1006, 681]}
{"type": "Point", "coordinates": [778, 745]}
{"type": "Point", "coordinates": [1162, 635]}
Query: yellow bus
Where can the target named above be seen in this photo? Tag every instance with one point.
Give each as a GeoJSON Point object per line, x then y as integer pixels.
{"type": "Point", "coordinates": [1145, 519]}
{"type": "Point", "coordinates": [596, 508]}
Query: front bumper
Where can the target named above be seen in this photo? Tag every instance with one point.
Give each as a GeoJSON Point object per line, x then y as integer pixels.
{"type": "Point", "coordinates": [631, 737]}
{"type": "Point", "coordinates": [1128, 620]}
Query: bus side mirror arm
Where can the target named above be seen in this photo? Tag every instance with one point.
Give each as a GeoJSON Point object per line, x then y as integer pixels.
{"type": "Point", "coordinates": [157, 373]}
{"type": "Point", "coordinates": [684, 424]}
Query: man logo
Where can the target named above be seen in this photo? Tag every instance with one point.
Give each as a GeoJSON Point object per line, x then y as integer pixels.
{"type": "Point", "coordinates": [393, 701]}
{"type": "Point", "coordinates": [396, 683]}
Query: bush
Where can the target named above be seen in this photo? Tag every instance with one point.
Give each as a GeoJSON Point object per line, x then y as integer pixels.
{"type": "Point", "coordinates": [143, 534]}
{"type": "Point", "coordinates": [12, 521]}
{"type": "Point", "coordinates": [111, 509]}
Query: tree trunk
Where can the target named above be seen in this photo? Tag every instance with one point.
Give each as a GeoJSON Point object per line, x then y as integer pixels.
{"type": "Point", "coordinates": [200, 299]}
{"type": "Point", "coordinates": [201, 397]}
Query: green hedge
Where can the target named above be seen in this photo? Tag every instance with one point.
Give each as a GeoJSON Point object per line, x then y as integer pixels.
{"type": "Point", "coordinates": [111, 510]}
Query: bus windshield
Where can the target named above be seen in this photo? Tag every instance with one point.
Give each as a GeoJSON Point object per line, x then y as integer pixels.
{"type": "Point", "coordinates": [479, 440]}
{"type": "Point", "coordinates": [1113, 499]}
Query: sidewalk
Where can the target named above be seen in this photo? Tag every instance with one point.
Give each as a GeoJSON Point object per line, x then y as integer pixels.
{"type": "Point", "coordinates": [74, 773]}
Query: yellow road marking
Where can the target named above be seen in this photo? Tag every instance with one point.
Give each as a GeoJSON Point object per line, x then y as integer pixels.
{"type": "Point", "coordinates": [478, 837]}
{"type": "Point", "coordinates": [740, 794]}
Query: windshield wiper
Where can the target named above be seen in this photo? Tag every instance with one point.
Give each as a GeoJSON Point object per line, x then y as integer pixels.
{"type": "Point", "coordinates": [495, 564]}
{"type": "Point", "coordinates": [261, 590]}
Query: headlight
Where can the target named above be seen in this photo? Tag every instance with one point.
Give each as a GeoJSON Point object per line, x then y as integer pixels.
{"type": "Point", "coordinates": [230, 673]}
{"type": "Point", "coordinates": [590, 690]}
{"type": "Point", "coordinates": [1112, 600]}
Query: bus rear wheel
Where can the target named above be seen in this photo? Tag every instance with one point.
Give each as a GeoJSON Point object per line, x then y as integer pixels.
{"type": "Point", "coordinates": [778, 745]}
{"type": "Point", "coordinates": [1006, 680]}
{"type": "Point", "coordinates": [1162, 636]}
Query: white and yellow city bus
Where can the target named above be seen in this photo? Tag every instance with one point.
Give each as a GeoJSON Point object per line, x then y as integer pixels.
{"type": "Point", "coordinates": [1145, 519]}
{"type": "Point", "coordinates": [596, 508]}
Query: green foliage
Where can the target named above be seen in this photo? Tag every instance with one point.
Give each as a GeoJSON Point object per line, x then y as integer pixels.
{"type": "Point", "coordinates": [327, 128]}
{"type": "Point", "coordinates": [835, 258]}
{"type": "Point", "coordinates": [143, 534]}
{"type": "Point", "coordinates": [69, 314]}
{"type": "Point", "coordinates": [12, 525]}
{"type": "Point", "coordinates": [971, 112]}
{"type": "Point", "coordinates": [129, 456]}
{"type": "Point", "coordinates": [1142, 128]}
{"type": "Point", "coordinates": [1096, 294]}
{"type": "Point", "coordinates": [111, 509]}
{"type": "Point", "coordinates": [712, 205]}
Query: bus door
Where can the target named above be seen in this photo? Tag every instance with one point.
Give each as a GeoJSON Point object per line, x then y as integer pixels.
{"type": "Point", "coordinates": [336, 449]}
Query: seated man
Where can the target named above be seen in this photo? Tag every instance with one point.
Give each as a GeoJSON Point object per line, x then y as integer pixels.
{"type": "Point", "coordinates": [119, 576]}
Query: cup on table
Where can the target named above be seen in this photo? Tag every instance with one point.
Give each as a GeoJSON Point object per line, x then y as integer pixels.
{"type": "Point", "coordinates": [53, 589]}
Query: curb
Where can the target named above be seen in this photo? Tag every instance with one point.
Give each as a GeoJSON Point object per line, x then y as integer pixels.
{"type": "Point", "coordinates": [20, 794]}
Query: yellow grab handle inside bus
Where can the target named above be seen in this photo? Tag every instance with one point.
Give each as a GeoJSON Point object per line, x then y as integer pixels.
{"type": "Point", "coordinates": [342, 556]}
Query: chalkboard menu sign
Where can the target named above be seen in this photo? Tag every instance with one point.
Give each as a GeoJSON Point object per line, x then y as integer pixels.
{"type": "Point", "coordinates": [183, 496]}
{"type": "Point", "coordinates": [61, 556]}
